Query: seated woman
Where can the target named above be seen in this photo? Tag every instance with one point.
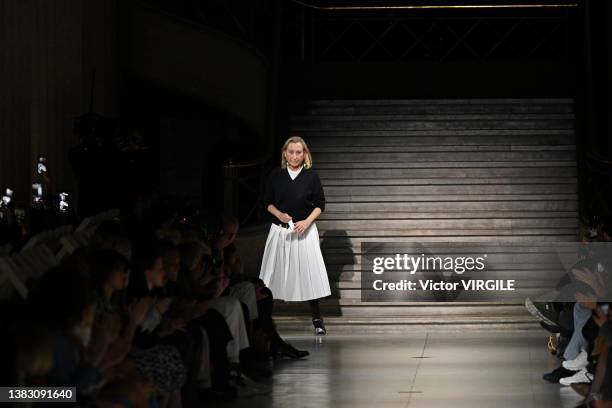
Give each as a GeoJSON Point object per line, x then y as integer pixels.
{"type": "Point", "coordinates": [263, 297]}
{"type": "Point", "coordinates": [207, 286]}
{"type": "Point", "coordinates": [62, 305]}
{"type": "Point", "coordinates": [169, 363]}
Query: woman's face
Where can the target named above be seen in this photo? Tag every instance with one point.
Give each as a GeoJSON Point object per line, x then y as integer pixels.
{"type": "Point", "coordinates": [118, 279]}
{"type": "Point", "coordinates": [157, 275]}
{"type": "Point", "coordinates": [294, 154]}
{"type": "Point", "coordinates": [197, 269]}
{"type": "Point", "coordinates": [124, 247]}
{"type": "Point", "coordinates": [172, 265]}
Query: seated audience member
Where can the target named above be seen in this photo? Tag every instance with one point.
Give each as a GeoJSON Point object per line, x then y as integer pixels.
{"type": "Point", "coordinates": [171, 356]}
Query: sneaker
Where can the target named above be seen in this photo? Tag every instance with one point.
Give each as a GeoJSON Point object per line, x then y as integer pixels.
{"type": "Point", "coordinates": [581, 377]}
{"type": "Point", "coordinates": [579, 363]}
{"type": "Point", "coordinates": [543, 311]}
{"type": "Point", "coordinates": [555, 375]}
{"type": "Point", "coordinates": [319, 327]}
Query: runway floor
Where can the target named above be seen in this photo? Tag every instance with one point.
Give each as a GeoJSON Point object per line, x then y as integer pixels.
{"type": "Point", "coordinates": [418, 370]}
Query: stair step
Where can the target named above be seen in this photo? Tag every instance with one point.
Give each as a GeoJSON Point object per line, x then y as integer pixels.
{"type": "Point", "coordinates": [449, 181]}
{"type": "Point", "coordinates": [437, 148]}
{"type": "Point", "coordinates": [436, 109]}
{"type": "Point", "coordinates": [401, 157]}
{"type": "Point", "coordinates": [492, 139]}
{"type": "Point", "coordinates": [331, 306]}
{"type": "Point", "coordinates": [348, 325]}
{"type": "Point", "coordinates": [466, 214]}
{"type": "Point", "coordinates": [446, 197]}
{"type": "Point", "coordinates": [409, 134]}
{"type": "Point", "coordinates": [466, 224]}
{"type": "Point", "coordinates": [507, 102]}
{"type": "Point", "coordinates": [525, 124]}
{"type": "Point", "coordinates": [498, 206]}
{"type": "Point", "coordinates": [373, 172]}
{"type": "Point", "coordinates": [341, 240]}
{"type": "Point", "coordinates": [448, 189]}
{"type": "Point", "coordinates": [460, 234]}
{"type": "Point", "coordinates": [429, 117]}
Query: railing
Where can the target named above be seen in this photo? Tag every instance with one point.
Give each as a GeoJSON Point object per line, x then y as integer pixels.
{"type": "Point", "coordinates": [374, 31]}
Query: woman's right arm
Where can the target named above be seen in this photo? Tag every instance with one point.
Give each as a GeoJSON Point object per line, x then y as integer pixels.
{"type": "Point", "coordinates": [282, 217]}
{"type": "Point", "coordinates": [269, 200]}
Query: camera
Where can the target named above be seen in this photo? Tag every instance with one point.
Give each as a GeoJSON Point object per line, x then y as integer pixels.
{"type": "Point", "coordinates": [41, 165]}
{"type": "Point", "coordinates": [7, 196]}
{"type": "Point", "coordinates": [37, 193]}
{"type": "Point", "coordinates": [63, 202]}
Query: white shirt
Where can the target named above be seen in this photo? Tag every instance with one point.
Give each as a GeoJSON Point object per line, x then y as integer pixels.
{"type": "Point", "coordinates": [293, 174]}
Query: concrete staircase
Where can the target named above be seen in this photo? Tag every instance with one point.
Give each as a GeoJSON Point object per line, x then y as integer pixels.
{"type": "Point", "coordinates": [494, 170]}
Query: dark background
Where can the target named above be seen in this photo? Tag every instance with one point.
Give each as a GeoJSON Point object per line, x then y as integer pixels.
{"type": "Point", "coordinates": [206, 83]}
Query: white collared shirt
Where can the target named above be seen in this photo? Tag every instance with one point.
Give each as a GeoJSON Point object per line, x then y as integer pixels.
{"type": "Point", "coordinates": [293, 174]}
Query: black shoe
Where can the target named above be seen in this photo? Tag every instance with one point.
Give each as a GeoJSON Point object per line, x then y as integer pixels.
{"type": "Point", "coordinates": [544, 311]}
{"type": "Point", "coordinates": [319, 327]}
{"type": "Point", "coordinates": [555, 375]}
{"type": "Point", "coordinates": [287, 350]}
{"type": "Point", "coordinates": [550, 328]}
{"type": "Point", "coordinates": [256, 370]}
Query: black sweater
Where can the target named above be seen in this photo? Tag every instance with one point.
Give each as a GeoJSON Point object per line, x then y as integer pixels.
{"type": "Point", "coordinates": [295, 197]}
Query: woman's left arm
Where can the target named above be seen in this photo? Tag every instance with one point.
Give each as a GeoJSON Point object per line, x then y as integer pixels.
{"type": "Point", "coordinates": [302, 226]}
{"type": "Point", "coordinates": [318, 202]}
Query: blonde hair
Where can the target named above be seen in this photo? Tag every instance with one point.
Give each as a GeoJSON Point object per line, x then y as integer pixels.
{"type": "Point", "coordinates": [307, 154]}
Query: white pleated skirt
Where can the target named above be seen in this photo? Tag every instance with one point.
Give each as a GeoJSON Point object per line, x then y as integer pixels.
{"type": "Point", "coordinates": [292, 266]}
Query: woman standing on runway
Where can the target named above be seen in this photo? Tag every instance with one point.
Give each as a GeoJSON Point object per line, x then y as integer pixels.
{"type": "Point", "coordinates": [292, 265]}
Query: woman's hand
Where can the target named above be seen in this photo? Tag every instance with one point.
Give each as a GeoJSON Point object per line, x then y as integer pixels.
{"type": "Point", "coordinates": [138, 310]}
{"type": "Point", "coordinates": [593, 279]}
{"type": "Point", "coordinates": [170, 326]}
{"type": "Point", "coordinates": [111, 327]}
{"type": "Point", "coordinates": [223, 282]}
{"type": "Point", "coordinates": [284, 217]}
{"type": "Point", "coordinates": [163, 304]}
{"type": "Point", "coordinates": [201, 308]}
{"type": "Point", "coordinates": [586, 300]}
{"type": "Point", "coordinates": [301, 226]}
{"type": "Point", "coordinates": [599, 316]}
{"type": "Point", "coordinates": [261, 293]}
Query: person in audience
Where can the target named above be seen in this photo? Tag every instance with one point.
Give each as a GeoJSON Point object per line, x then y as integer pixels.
{"type": "Point", "coordinates": [172, 354]}
{"type": "Point", "coordinates": [600, 392]}
{"type": "Point", "coordinates": [200, 320]}
{"type": "Point", "coordinates": [111, 235]}
{"type": "Point", "coordinates": [62, 303]}
{"type": "Point", "coordinates": [110, 274]}
{"type": "Point", "coordinates": [155, 316]}
{"type": "Point", "coordinates": [207, 286]}
{"type": "Point", "coordinates": [587, 281]}
{"type": "Point", "coordinates": [262, 322]}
